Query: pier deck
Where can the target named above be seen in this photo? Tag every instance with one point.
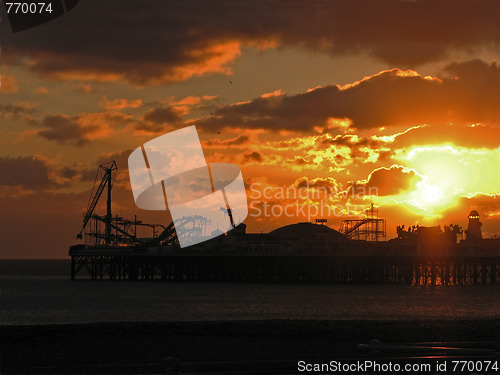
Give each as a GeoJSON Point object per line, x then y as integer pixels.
{"type": "Point", "coordinates": [169, 264]}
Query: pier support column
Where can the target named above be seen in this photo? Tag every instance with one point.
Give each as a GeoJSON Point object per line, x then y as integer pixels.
{"type": "Point", "coordinates": [73, 268]}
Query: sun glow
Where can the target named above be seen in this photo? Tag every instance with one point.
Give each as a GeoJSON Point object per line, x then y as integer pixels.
{"type": "Point", "coordinates": [432, 196]}
{"type": "Point", "coordinates": [449, 172]}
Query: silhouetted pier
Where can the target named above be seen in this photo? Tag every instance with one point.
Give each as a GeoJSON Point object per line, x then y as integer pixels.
{"type": "Point", "coordinates": [116, 264]}
{"type": "Point", "coordinates": [302, 252]}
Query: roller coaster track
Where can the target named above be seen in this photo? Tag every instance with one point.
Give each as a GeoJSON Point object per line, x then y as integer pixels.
{"type": "Point", "coordinates": [356, 226]}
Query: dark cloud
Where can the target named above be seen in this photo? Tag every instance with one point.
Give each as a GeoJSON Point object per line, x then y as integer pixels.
{"type": "Point", "coordinates": [158, 41]}
{"type": "Point", "coordinates": [40, 174]}
{"type": "Point", "coordinates": [68, 172]}
{"type": "Point", "coordinates": [389, 98]}
{"type": "Point", "coordinates": [300, 112]}
{"type": "Point", "coordinates": [238, 141]}
{"type": "Point", "coordinates": [17, 112]}
{"type": "Point", "coordinates": [12, 109]}
{"type": "Point", "coordinates": [251, 157]}
{"type": "Point", "coordinates": [386, 181]}
{"type": "Point", "coordinates": [81, 129]}
{"type": "Point", "coordinates": [159, 120]}
{"type": "Point", "coordinates": [349, 140]}
{"type": "Point", "coordinates": [299, 160]}
{"type": "Point", "coordinates": [63, 129]}
{"type": "Point", "coordinates": [76, 172]}
{"type": "Point", "coordinates": [162, 115]}
{"type": "Point", "coordinates": [26, 171]}
{"type": "Point", "coordinates": [325, 184]}
{"type": "Point", "coordinates": [151, 128]}
{"type": "Point", "coordinates": [384, 155]}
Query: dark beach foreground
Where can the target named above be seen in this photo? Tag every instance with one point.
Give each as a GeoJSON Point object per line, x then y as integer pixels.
{"type": "Point", "coordinates": [70, 348]}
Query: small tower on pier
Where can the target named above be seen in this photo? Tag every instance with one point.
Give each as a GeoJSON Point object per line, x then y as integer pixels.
{"type": "Point", "coordinates": [473, 232]}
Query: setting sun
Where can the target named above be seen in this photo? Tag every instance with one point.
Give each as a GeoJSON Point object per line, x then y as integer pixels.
{"type": "Point", "coordinates": [447, 173]}
{"type": "Point", "coordinates": [432, 196]}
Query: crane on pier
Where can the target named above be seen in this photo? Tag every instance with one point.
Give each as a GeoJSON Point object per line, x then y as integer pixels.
{"type": "Point", "coordinates": [107, 180]}
{"type": "Point", "coordinates": [119, 231]}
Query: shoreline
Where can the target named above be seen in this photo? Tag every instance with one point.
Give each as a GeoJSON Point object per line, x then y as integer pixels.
{"type": "Point", "coordinates": [25, 346]}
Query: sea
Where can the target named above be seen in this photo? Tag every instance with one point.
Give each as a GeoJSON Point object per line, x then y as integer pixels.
{"type": "Point", "coordinates": [41, 292]}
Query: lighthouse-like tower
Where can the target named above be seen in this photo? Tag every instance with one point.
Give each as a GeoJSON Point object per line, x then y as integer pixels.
{"type": "Point", "coordinates": [473, 231]}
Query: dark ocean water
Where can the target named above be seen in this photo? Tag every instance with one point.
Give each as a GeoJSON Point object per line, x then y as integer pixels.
{"type": "Point", "coordinates": [40, 292]}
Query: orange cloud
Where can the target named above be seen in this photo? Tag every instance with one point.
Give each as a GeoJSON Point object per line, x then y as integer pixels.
{"type": "Point", "coordinates": [81, 129]}
{"type": "Point", "coordinates": [183, 106]}
{"type": "Point", "coordinates": [278, 92]}
{"type": "Point", "coordinates": [7, 84]}
{"type": "Point", "coordinates": [194, 100]}
{"type": "Point", "coordinates": [389, 98]}
{"type": "Point", "coordinates": [119, 104]}
{"type": "Point", "coordinates": [213, 58]}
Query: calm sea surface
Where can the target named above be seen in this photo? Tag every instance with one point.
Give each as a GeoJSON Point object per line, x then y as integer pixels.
{"type": "Point", "coordinates": [40, 292]}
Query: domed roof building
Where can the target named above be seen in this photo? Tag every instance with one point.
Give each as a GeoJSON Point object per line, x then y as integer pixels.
{"type": "Point", "coordinates": [310, 238]}
{"type": "Point", "coordinates": [301, 238]}
{"type": "Point", "coordinates": [306, 230]}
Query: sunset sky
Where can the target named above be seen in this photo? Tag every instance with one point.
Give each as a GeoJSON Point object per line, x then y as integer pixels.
{"type": "Point", "coordinates": [336, 96]}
